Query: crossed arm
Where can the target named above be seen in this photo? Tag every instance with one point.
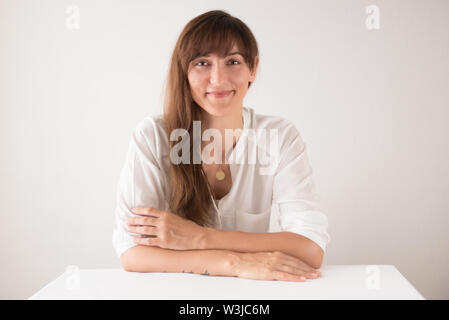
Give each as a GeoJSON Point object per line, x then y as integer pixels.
{"type": "Point", "coordinates": [167, 230]}
{"type": "Point", "coordinates": [287, 242]}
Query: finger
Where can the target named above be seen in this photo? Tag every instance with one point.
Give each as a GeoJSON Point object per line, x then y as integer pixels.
{"type": "Point", "coordinates": [145, 230]}
{"type": "Point", "coordinates": [301, 266]}
{"type": "Point", "coordinates": [149, 241]}
{"type": "Point", "coordinates": [142, 221]}
{"type": "Point", "coordinates": [285, 276]}
{"type": "Point", "coordinates": [293, 261]}
{"type": "Point", "coordinates": [297, 271]}
{"type": "Point", "coordinates": [147, 211]}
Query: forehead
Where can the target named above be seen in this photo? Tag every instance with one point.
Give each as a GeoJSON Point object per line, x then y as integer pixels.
{"type": "Point", "coordinates": [234, 50]}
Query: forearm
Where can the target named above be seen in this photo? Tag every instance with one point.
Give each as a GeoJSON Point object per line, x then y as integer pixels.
{"type": "Point", "coordinates": [287, 242]}
{"type": "Point", "coordinates": [155, 259]}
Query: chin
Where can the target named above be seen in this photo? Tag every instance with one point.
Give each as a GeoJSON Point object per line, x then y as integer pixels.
{"type": "Point", "coordinates": [219, 110]}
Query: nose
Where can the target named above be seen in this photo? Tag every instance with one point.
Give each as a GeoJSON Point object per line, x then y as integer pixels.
{"type": "Point", "coordinates": [217, 74]}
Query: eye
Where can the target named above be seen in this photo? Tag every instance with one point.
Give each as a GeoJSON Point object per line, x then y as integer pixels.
{"type": "Point", "coordinates": [202, 61]}
{"type": "Point", "coordinates": [233, 60]}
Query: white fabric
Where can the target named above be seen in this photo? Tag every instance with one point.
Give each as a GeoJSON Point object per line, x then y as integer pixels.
{"type": "Point", "coordinates": [247, 206]}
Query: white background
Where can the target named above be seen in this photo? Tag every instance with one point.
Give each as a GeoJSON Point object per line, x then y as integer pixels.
{"type": "Point", "coordinates": [371, 106]}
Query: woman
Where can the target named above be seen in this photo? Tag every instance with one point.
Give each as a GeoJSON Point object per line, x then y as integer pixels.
{"type": "Point", "coordinates": [184, 206]}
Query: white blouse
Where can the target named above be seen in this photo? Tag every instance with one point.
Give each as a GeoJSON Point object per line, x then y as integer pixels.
{"type": "Point", "coordinates": [247, 207]}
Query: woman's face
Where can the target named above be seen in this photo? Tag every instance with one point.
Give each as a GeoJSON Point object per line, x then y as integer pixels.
{"type": "Point", "coordinates": [209, 74]}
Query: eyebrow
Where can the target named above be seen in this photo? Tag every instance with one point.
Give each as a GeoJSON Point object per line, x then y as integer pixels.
{"type": "Point", "coordinates": [230, 54]}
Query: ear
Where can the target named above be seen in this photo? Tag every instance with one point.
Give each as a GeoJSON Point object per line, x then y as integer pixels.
{"type": "Point", "coordinates": [253, 73]}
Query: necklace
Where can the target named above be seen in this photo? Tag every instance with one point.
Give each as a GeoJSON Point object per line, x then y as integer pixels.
{"type": "Point", "coordinates": [220, 175]}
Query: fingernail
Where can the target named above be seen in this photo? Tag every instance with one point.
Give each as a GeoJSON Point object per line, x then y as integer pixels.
{"type": "Point", "coordinates": [303, 278]}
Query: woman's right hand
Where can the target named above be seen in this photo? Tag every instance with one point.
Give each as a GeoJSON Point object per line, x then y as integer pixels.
{"type": "Point", "coordinates": [271, 266]}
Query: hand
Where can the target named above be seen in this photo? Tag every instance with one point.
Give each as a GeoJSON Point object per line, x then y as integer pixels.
{"type": "Point", "coordinates": [165, 229]}
{"type": "Point", "coordinates": [271, 266]}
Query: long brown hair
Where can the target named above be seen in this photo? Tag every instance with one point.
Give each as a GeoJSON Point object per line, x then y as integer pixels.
{"type": "Point", "coordinates": [211, 32]}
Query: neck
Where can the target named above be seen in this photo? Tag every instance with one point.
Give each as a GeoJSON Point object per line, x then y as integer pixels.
{"type": "Point", "coordinates": [232, 121]}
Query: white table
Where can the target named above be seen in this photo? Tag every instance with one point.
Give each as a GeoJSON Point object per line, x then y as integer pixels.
{"type": "Point", "coordinates": [337, 282]}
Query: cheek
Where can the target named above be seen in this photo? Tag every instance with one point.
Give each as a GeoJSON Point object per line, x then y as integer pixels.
{"type": "Point", "coordinates": [241, 84]}
{"type": "Point", "coordinates": [196, 79]}
{"type": "Point", "coordinates": [241, 79]}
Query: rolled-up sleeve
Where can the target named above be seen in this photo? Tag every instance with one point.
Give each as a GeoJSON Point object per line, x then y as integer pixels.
{"type": "Point", "coordinates": [294, 191]}
{"type": "Point", "coordinates": [141, 183]}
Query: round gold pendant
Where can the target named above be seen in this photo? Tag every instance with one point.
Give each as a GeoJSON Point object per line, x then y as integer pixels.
{"type": "Point", "coordinates": [220, 175]}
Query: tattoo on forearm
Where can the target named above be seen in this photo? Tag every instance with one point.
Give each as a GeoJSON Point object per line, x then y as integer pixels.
{"type": "Point", "coordinates": [186, 271]}
{"type": "Point", "coordinates": [205, 273]}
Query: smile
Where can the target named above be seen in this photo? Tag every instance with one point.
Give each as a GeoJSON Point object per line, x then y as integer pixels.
{"type": "Point", "coordinates": [220, 94]}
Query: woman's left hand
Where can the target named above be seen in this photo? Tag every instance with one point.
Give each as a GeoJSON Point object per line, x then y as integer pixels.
{"type": "Point", "coordinates": [166, 229]}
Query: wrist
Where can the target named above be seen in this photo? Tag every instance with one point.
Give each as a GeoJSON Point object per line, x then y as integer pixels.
{"type": "Point", "coordinates": [232, 260]}
{"type": "Point", "coordinates": [205, 238]}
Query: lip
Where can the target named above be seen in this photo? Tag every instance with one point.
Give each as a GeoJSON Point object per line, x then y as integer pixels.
{"type": "Point", "coordinates": [220, 94]}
